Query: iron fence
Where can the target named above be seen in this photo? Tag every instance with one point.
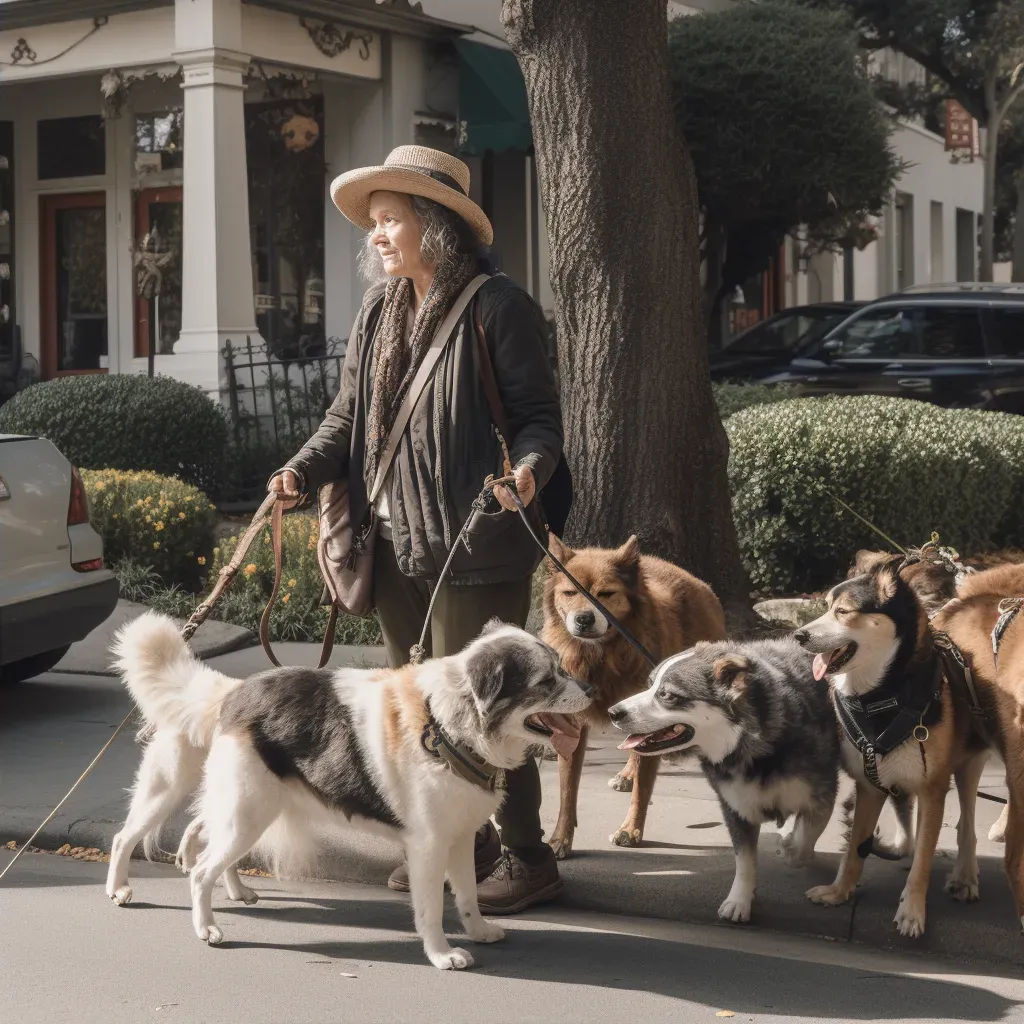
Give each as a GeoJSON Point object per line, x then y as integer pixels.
{"type": "Point", "coordinates": [274, 403]}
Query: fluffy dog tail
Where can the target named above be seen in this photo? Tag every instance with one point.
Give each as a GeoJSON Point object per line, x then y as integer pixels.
{"type": "Point", "coordinates": [173, 689]}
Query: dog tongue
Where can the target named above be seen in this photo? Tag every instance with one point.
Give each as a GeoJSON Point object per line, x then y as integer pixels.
{"type": "Point", "coordinates": [565, 736]}
{"type": "Point", "coordinates": [633, 741]}
{"type": "Point", "coordinates": [820, 667]}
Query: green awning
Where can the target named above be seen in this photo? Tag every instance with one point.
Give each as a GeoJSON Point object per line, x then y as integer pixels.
{"type": "Point", "coordinates": [492, 100]}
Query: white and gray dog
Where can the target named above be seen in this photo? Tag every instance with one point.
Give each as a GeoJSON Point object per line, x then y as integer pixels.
{"type": "Point", "coordinates": [411, 753]}
{"type": "Point", "coordinates": [766, 736]}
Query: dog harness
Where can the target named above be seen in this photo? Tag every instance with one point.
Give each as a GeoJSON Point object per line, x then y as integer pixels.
{"type": "Point", "coordinates": [877, 726]}
{"type": "Point", "coordinates": [1008, 610]}
{"type": "Point", "coordinates": [459, 758]}
{"type": "Point", "coordinates": [960, 676]}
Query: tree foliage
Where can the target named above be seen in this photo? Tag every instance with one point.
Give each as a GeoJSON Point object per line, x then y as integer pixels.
{"type": "Point", "coordinates": [784, 129]}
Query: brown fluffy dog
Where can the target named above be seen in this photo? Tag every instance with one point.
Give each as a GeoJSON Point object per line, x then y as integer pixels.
{"type": "Point", "coordinates": [969, 620]}
{"type": "Point", "coordinates": [665, 608]}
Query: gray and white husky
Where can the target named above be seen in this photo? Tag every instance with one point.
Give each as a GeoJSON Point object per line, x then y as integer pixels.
{"type": "Point", "coordinates": [766, 737]}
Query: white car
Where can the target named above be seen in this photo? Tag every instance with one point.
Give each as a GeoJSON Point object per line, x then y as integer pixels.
{"type": "Point", "coordinates": [54, 589]}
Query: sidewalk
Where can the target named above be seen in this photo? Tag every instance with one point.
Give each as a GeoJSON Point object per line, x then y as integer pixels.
{"type": "Point", "coordinates": [49, 730]}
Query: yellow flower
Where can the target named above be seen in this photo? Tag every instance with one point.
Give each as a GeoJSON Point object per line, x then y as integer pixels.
{"type": "Point", "coordinates": [181, 515]}
{"type": "Point", "coordinates": [138, 504]}
{"type": "Point", "coordinates": [159, 527]}
{"type": "Point", "coordinates": [156, 545]}
{"type": "Point", "coordinates": [149, 519]}
{"type": "Point", "coordinates": [249, 570]}
{"type": "Point", "coordinates": [286, 598]}
{"type": "Point", "coordinates": [188, 497]}
{"type": "Point", "coordinates": [100, 485]}
{"type": "Point", "coordinates": [291, 583]}
{"type": "Point", "coordinates": [116, 516]}
{"type": "Point", "coordinates": [201, 560]}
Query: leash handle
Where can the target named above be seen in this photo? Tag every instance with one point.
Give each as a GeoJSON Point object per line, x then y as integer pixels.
{"type": "Point", "coordinates": [276, 538]}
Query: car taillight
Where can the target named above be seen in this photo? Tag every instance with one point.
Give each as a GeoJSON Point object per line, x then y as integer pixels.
{"type": "Point", "coordinates": [78, 506]}
{"type": "Point", "coordinates": [91, 566]}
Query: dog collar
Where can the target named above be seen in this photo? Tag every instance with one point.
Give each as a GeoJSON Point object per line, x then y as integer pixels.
{"type": "Point", "coordinates": [459, 758]}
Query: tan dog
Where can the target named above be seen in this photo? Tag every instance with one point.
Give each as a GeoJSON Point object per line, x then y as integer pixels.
{"type": "Point", "coordinates": [969, 621]}
{"type": "Point", "coordinates": [665, 608]}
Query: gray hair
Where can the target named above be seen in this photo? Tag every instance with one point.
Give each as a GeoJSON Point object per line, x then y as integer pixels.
{"type": "Point", "coordinates": [446, 236]}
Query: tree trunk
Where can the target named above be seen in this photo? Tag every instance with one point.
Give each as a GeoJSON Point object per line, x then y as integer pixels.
{"type": "Point", "coordinates": [1018, 233]}
{"type": "Point", "coordinates": [643, 436]}
{"type": "Point", "coordinates": [988, 196]}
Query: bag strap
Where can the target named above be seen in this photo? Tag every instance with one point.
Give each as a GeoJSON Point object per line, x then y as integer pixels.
{"type": "Point", "coordinates": [276, 520]}
{"type": "Point", "coordinates": [490, 386]}
{"type": "Point", "coordinates": [426, 368]}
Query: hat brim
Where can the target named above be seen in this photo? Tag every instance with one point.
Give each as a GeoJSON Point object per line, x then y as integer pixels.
{"type": "Point", "coordinates": [351, 193]}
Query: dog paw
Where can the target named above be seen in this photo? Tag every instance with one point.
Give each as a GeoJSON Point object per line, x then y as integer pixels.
{"type": "Point", "coordinates": [963, 886]}
{"type": "Point", "coordinates": [910, 920]}
{"type": "Point", "coordinates": [484, 931]}
{"type": "Point", "coordinates": [737, 911]}
{"type": "Point", "coordinates": [210, 934]}
{"type": "Point", "coordinates": [455, 959]}
{"type": "Point", "coordinates": [621, 783]}
{"type": "Point", "coordinates": [121, 896]}
{"type": "Point", "coordinates": [997, 833]}
{"type": "Point", "coordinates": [561, 846]}
{"type": "Point", "coordinates": [626, 837]}
{"type": "Point", "coordinates": [793, 854]}
{"type": "Point", "coordinates": [827, 895]}
{"type": "Point", "coordinates": [243, 894]}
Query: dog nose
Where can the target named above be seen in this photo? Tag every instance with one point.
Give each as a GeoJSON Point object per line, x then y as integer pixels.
{"type": "Point", "coordinates": [801, 636]}
{"type": "Point", "coordinates": [585, 619]}
{"type": "Point", "coordinates": [616, 712]}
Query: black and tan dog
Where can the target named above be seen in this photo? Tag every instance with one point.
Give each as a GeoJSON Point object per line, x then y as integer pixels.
{"type": "Point", "coordinates": [903, 732]}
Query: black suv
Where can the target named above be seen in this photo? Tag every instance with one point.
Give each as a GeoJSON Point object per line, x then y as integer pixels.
{"type": "Point", "coordinates": [954, 345]}
{"type": "Point", "coordinates": [769, 346]}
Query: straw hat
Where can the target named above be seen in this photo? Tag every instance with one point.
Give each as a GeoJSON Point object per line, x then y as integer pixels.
{"type": "Point", "coordinates": [416, 171]}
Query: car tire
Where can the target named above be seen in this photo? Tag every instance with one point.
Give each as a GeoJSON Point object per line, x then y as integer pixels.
{"type": "Point", "coordinates": [29, 668]}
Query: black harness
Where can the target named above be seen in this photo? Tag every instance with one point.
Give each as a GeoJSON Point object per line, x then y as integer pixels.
{"type": "Point", "coordinates": [887, 717]}
{"type": "Point", "coordinates": [961, 683]}
{"type": "Point", "coordinates": [1009, 608]}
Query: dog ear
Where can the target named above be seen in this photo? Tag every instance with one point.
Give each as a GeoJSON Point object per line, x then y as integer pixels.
{"type": "Point", "coordinates": [492, 626]}
{"type": "Point", "coordinates": [732, 671]}
{"type": "Point", "coordinates": [494, 672]}
{"type": "Point", "coordinates": [865, 560]}
{"type": "Point", "coordinates": [627, 561]}
{"type": "Point", "coordinates": [561, 551]}
{"type": "Point", "coordinates": [888, 580]}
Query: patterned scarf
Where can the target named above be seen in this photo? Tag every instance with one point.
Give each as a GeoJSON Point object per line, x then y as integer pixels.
{"type": "Point", "coordinates": [396, 362]}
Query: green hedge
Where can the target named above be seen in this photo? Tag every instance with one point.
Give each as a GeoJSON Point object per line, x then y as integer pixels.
{"type": "Point", "coordinates": [154, 520]}
{"type": "Point", "coordinates": [128, 422]}
{"type": "Point", "coordinates": [908, 467]}
{"type": "Point", "coordinates": [734, 396]}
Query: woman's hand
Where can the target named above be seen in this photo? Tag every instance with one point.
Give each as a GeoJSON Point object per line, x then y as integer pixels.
{"type": "Point", "coordinates": [286, 485]}
{"type": "Point", "coordinates": [526, 486]}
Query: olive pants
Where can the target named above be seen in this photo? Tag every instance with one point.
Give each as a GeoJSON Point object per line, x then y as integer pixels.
{"type": "Point", "coordinates": [460, 613]}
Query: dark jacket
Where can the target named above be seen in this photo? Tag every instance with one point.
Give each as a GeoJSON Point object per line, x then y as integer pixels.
{"type": "Point", "coordinates": [449, 446]}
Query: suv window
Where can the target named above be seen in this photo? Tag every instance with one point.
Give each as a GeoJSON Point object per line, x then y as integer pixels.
{"type": "Point", "coordinates": [951, 333]}
{"type": "Point", "coordinates": [877, 334]}
{"type": "Point", "coordinates": [1006, 333]}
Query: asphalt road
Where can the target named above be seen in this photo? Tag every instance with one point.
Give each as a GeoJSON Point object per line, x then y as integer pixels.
{"type": "Point", "coordinates": [330, 952]}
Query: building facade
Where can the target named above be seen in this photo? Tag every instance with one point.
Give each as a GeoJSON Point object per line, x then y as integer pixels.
{"type": "Point", "coordinates": [164, 168]}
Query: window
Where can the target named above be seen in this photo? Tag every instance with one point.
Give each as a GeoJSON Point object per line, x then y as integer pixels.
{"type": "Point", "coordinates": [1006, 333]}
{"type": "Point", "coordinates": [785, 332]}
{"type": "Point", "coordinates": [903, 241]}
{"type": "Point", "coordinates": [951, 334]}
{"type": "Point", "coordinates": [7, 266]}
{"type": "Point", "coordinates": [878, 334]}
{"type": "Point", "coordinates": [71, 147]}
{"type": "Point", "coordinates": [158, 141]}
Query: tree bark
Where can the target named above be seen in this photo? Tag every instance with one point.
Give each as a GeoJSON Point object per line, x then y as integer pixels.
{"type": "Point", "coordinates": [988, 196]}
{"type": "Point", "coordinates": [1018, 234]}
{"type": "Point", "coordinates": [643, 437]}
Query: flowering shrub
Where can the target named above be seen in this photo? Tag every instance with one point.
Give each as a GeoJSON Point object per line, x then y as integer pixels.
{"type": "Point", "coordinates": [907, 467]}
{"type": "Point", "coordinates": [298, 614]}
{"type": "Point", "coordinates": [156, 521]}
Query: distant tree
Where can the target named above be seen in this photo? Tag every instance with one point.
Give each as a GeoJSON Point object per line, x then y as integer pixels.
{"type": "Point", "coordinates": [784, 129]}
{"type": "Point", "coordinates": [973, 47]}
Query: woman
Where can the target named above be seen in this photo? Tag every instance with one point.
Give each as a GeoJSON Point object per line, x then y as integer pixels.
{"type": "Point", "coordinates": [426, 242]}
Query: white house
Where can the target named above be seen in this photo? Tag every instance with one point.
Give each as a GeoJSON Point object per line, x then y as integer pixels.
{"type": "Point", "coordinates": [183, 148]}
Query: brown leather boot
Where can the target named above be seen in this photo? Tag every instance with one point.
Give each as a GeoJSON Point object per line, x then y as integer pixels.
{"type": "Point", "coordinates": [516, 885]}
{"type": "Point", "coordinates": [487, 853]}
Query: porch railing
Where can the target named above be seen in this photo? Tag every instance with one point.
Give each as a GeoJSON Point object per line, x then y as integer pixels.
{"type": "Point", "coordinates": [274, 403]}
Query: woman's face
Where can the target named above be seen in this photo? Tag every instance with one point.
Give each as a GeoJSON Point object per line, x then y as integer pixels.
{"type": "Point", "coordinates": [397, 234]}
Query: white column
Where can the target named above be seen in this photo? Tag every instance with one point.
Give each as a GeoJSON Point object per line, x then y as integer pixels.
{"type": "Point", "coordinates": [217, 292]}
